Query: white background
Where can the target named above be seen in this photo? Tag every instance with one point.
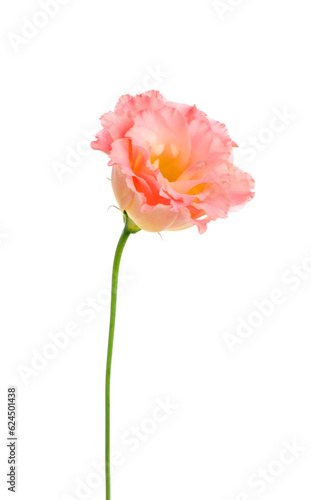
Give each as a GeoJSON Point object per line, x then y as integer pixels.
{"type": "Point", "coordinates": [182, 295]}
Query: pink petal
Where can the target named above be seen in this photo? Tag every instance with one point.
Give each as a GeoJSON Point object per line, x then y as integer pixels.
{"type": "Point", "coordinates": [166, 134]}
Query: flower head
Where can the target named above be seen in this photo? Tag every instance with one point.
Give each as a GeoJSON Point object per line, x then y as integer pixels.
{"type": "Point", "coordinates": [172, 166]}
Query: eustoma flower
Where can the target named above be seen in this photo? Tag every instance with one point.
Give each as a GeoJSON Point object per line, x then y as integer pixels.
{"type": "Point", "coordinates": [172, 165]}
{"type": "Point", "coordinates": [172, 168]}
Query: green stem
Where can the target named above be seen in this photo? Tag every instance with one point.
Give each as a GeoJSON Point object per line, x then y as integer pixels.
{"type": "Point", "coordinates": [129, 228]}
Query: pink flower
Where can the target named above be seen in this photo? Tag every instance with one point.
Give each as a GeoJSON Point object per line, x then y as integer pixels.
{"type": "Point", "coordinates": [172, 166]}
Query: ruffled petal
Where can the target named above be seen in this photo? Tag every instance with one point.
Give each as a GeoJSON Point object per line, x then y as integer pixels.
{"type": "Point", "coordinates": [152, 100]}
{"type": "Point", "coordinates": [172, 166]}
{"type": "Point", "coordinates": [134, 163]}
{"type": "Point", "coordinates": [122, 192]}
{"type": "Point", "coordinates": [165, 134]}
{"type": "Point", "coordinates": [159, 218]}
{"type": "Point", "coordinates": [103, 141]}
{"type": "Point", "coordinates": [241, 187]}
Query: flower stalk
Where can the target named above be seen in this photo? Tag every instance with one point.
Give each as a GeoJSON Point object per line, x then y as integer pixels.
{"type": "Point", "coordinates": [129, 228]}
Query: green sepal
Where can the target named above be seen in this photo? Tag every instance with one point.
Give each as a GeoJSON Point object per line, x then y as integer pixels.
{"type": "Point", "coordinates": [130, 225]}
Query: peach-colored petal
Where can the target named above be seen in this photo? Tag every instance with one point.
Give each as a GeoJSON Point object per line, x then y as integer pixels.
{"type": "Point", "coordinates": [166, 135]}
{"type": "Point", "coordinates": [221, 149]}
{"type": "Point", "coordinates": [133, 161]}
{"type": "Point", "coordinates": [172, 165]}
{"type": "Point", "coordinates": [210, 142]}
{"type": "Point", "coordinates": [241, 186]}
{"type": "Point", "coordinates": [117, 123]}
{"type": "Point", "coordinates": [188, 217]}
{"type": "Point", "coordinates": [189, 112]}
{"type": "Point", "coordinates": [122, 192]}
{"type": "Point", "coordinates": [103, 141]}
{"type": "Point", "coordinates": [152, 100]}
{"type": "Point", "coordinates": [160, 218]}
